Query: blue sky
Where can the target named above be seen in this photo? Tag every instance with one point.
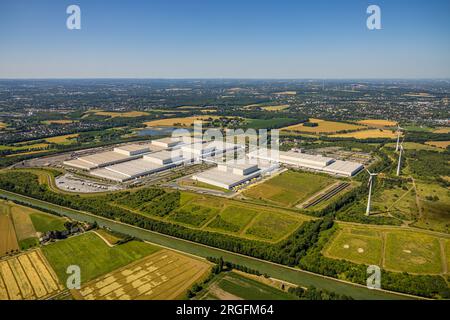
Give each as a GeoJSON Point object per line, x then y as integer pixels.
{"type": "Point", "coordinates": [224, 39]}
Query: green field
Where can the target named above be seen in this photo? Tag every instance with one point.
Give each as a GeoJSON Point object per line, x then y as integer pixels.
{"type": "Point", "coordinates": [413, 252]}
{"type": "Point", "coordinates": [435, 206]}
{"type": "Point", "coordinates": [400, 202]}
{"type": "Point", "coordinates": [415, 146]}
{"type": "Point", "coordinates": [392, 248]}
{"type": "Point", "coordinates": [233, 219]}
{"type": "Point", "coordinates": [269, 226]}
{"type": "Point", "coordinates": [45, 222]}
{"type": "Point", "coordinates": [357, 248]}
{"type": "Point", "coordinates": [193, 214]}
{"type": "Point", "coordinates": [92, 255]}
{"type": "Point", "coordinates": [289, 188]}
{"type": "Point", "coordinates": [235, 286]}
{"type": "Point", "coordinates": [267, 123]}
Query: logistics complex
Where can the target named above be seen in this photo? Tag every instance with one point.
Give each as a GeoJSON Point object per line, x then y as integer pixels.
{"type": "Point", "coordinates": [308, 161]}
{"type": "Point", "coordinates": [228, 175]}
{"type": "Point", "coordinates": [136, 160]}
{"type": "Point", "coordinates": [132, 161]}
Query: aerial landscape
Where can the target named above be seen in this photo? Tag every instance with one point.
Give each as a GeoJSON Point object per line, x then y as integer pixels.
{"type": "Point", "coordinates": [217, 187]}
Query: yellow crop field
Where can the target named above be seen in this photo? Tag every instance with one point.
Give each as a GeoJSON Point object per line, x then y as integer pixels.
{"type": "Point", "coordinates": [62, 139]}
{"type": "Point", "coordinates": [25, 153]}
{"type": "Point", "coordinates": [188, 107]}
{"type": "Point", "coordinates": [438, 144]}
{"type": "Point", "coordinates": [367, 134]}
{"type": "Point", "coordinates": [2, 125]}
{"type": "Point", "coordinates": [23, 146]}
{"type": "Point", "coordinates": [129, 114]}
{"type": "Point", "coordinates": [58, 121]}
{"type": "Point", "coordinates": [275, 108]}
{"type": "Point", "coordinates": [188, 121]}
{"type": "Point", "coordinates": [377, 123]}
{"type": "Point", "coordinates": [22, 222]}
{"type": "Point", "coordinates": [164, 275]}
{"type": "Point", "coordinates": [286, 93]}
{"type": "Point", "coordinates": [27, 276]}
{"type": "Point", "coordinates": [324, 126]}
{"type": "Point", "coordinates": [8, 240]}
{"type": "Point", "coordinates": [442, 130]}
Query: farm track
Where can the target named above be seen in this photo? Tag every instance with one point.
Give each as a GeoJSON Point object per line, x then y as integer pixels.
{"type": "Point", "coordinates": [293, 275]}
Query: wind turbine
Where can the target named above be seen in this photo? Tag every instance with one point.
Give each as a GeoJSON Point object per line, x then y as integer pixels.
{"type": "Point", "coordinates": [398, 137]}
{"type": "Point", "coordinates": [399, 165]}
{"type": "Point", "coordinates": [372, 175]}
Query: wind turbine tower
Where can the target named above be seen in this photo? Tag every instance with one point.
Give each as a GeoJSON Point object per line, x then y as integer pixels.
{"type": "Point", "coordinates": [398, 137]}
{"type": "Point", "coordinates": [371, 178]}
{"type": "Point", "coordinates": [399, 165]}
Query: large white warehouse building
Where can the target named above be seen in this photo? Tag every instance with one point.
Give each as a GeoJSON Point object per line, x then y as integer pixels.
{"type": "Point", "coordinates": [307, 161]}
{"type": "Point", "coordinates": [230, 174]}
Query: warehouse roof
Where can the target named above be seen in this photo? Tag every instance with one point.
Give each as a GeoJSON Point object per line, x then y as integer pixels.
{"type": "Point", "coordinates": [134, 147]}
{"type": "Point", "coordinates": [104, 157]}
{"type": "Point", "coordinates": [344, 167]}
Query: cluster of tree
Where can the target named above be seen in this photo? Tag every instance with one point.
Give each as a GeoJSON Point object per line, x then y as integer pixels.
{"type": "Point", "coordinates": [312, 293]}
{"type": "Point", "coordinates": [310, 124]}
{"type": "Point", "coordinates": [222, 265]}
{"type": "Point", "coordinates": [419, 163]}
{"type": "Point", "coordinates": [154, 201]}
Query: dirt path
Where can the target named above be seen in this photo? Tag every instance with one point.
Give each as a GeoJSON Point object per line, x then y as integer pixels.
{"type": "Point", "coordinates": [383, 252]}
{"type": "Point", "coordinates": [417, 198]}
{"type": "Point", "coordinates": [443, 256]}
{"type": "Point", "coordinates": [104, 240]}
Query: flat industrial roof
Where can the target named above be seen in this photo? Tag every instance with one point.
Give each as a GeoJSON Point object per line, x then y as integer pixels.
{"type": "Point", "coordinates": [164, 154]}
{"type": "Point", "coordinates": [104, 157]}
{"type": "Point", "coordinates": [168, 140]}
{"type": "Point", "coordinates": [225, 177]}
{"type": "Point", "coordinates": [134, 147]}
{"type": "Point", "coordinates": [346, 167]}
{"type": "Point", "coordinates": [80, 164]}
{"type": "Point", "coordinates": [107, 174]}
{"type": "Point", "coordinates": [303, 156]}
{"type": "Point", "coordinates": [134, 167]}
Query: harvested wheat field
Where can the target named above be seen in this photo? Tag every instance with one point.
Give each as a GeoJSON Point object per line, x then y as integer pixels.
{"type": "Point", "coordinates": [8, 240]}
{"type": "Point", "coordinates": [22, 222]}
{"type": "Point", "coordinates": [58, 121]}
{"type": "Point", "coordinates": [438, 144]}
{"type": "Point", "coordinates": [186, 122]}
{"type": "Point", "coordinates": [27, 276]}
{"type": "Point", "coordinates": [62, 139]}
{"type": "Point", "coordinates": [324, 126]}
{"type": "Point", "coordinates": [164, 275]}
{"type": "Point", "coordinates": [367, 134]}
{"type": "Point", "coordinates": [129, 114]}
{"type": "Point", "coordinates": [442, 130]}
{"type": "Point", "coordinates": [378, 123]}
